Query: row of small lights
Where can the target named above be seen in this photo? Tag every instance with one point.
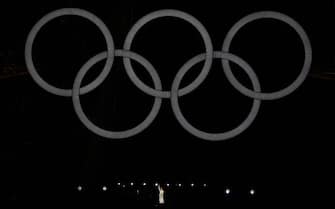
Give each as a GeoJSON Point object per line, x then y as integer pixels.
{"type": "Point", "coordinates": [227, 191]}
{"type": "Point", "coordinates": [79, 188]}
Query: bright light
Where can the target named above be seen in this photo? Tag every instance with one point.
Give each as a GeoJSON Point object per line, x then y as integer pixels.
{"type": "Point", "coordinates": [179, 185]}
{"type": "Point", "coordinates": [124, 186]}
{"type": "Point", "coordinates": [104, 188]}
{"type": "Point", "coordinates": [79, 188]}
{"type": "Point", "coordinates": [227, 191]}
{"type": "Point", "coordinates": [118, 183]}
{"type": "Point", "coordinates": [144, 184]}
{"type": "Point", "coordinates": [156, 184]}
{"type": "Point", "coordinates": [192, 185]}
{"type": "Point", "coordinates": [131, 183]}
{"type": "Point", "coordinates": [252, 192]}
{"type": "Point", "coordinates": [205, 185]}
{"type": "Point", "coordinates": [167, 185]}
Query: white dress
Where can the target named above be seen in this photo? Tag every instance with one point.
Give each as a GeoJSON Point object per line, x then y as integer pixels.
{"type": "Point", "coordinates": [161, 195]}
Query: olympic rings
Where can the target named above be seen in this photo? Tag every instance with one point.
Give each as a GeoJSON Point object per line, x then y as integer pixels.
{"type": "Point", "coordinates": [169, 13]}
{"type": "Point", "coordinates": [305, 69]}
{"type": "Point", "coordinates": [110, 134]}
{"type": "Point", "coordinates": [175, 92]}
{"type": "Point", "coordinates": [217, 136]}
{"type": "Point", "coordinates": [52, 15]}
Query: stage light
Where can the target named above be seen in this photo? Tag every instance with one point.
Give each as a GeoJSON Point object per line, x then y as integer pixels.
{"type": "Point", "coordinates": [79, 188]}
{"type": "Point", "coordinates": [104, 188]}
{"type": "Point", "coordinates": [227, 191]}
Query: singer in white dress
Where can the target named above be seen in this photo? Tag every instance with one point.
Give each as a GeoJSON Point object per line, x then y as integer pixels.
{"type": "Point", "coordinates": [161, 195]}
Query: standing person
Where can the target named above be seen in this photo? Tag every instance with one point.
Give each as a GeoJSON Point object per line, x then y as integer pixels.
{"type": "Point", "coordinates": [161, 199]}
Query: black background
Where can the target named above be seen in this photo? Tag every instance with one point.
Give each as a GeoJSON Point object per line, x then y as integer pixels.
{"type": "Point", "coordinates": [285, 155]}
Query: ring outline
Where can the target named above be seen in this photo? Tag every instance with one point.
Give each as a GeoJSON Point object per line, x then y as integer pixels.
{"type": "Point", "coordinates": [181, 15]}
{"type": "Point", "coordinates": [115, 134]}
{"type": "Point", "coordinates": [214, 136]}
{"type": "Point", "coordinates": [58, 13]}
{"type": "Point", "coordinates": [307, 61]}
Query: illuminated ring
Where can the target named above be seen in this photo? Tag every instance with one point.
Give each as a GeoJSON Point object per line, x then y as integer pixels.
{"type": "Point", "coordinates": [115, 134]}
{"type": "Point", "coordinates": [169, 13]}
{"type": "Point", "coordinates": [214, 136]}
{"type": "Point", "coordinates": [305, 69]}
{"type": "Point", "coordinates": [52, 15]}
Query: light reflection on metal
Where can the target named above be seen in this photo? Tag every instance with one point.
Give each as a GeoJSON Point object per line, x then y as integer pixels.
{"type": "Point", "coordinates": [175, 93]}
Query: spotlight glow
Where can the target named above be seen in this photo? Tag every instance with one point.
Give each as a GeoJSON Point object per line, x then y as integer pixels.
{"type": "Point", "coordinates": [79, 188]}
{"type": "Point", "coordinates": [104, 188]}
{"type": "Point", "coordinates": [227, 191]}
{"type": "Point", "coordinates": [252, 191]}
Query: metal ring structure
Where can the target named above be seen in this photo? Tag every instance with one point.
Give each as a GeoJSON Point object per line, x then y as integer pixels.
{"type": "Point", "coordinates": [175, 92]}
{"type": "Point", "coordinates": [214, 136]}
{"type": "Point", "coordinates": [58, 13]}
{"type": "Point", "coordinates": [112, 134]}
{"type": "Point", "coordinates": [169, 13]}
{"type": "Point", "coordinates": [305, 69]}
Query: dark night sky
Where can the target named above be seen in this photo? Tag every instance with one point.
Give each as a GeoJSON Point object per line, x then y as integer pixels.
{"type": "Point", "coordinates": [288, 145]}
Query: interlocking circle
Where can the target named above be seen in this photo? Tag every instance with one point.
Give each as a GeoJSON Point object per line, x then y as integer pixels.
{"type": "Point", "coordinates": [175, 92]}
{"type": "Point", "coordinates": [215, 136]}
{"type": "Point", "coordinates": [305, 69]}
{"type": "Point", "coordinates": [169, 13]}
{"type": "Point", "coordinates": [111, 134]}
{"type": "Point", "coordinates": [52, 15]}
